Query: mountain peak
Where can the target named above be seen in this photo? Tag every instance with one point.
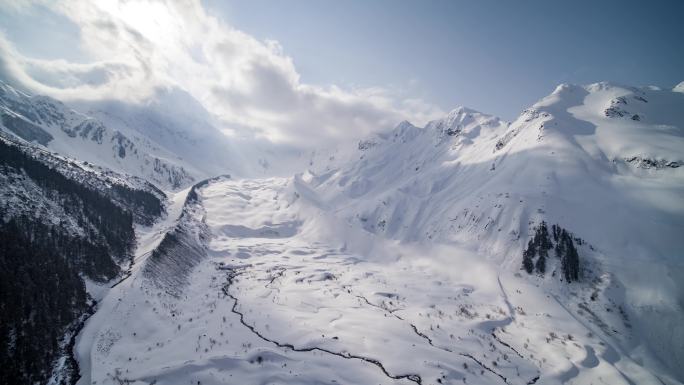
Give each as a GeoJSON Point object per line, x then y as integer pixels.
{"type": "Point", "coordinates": [461, 119]}
{"type": "Point", "coordinates": [679, 87]}
{"type": "Point", "coordinates": [569, 88]}
{"type": "Point", "coordinates": [461, 110]}
{"type": "Point", "coordinates": [404, 124]}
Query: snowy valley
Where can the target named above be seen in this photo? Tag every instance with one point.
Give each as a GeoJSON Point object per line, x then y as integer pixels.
{"type": "Point", "coordinates": [546, 250]}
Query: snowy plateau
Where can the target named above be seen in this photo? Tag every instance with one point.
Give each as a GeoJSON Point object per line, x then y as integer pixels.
{"type": "Point", "coordinates": [547, 250]}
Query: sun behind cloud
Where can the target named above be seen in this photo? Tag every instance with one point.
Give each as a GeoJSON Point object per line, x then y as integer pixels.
{"type": "Point", "coordinates": [250, 86]}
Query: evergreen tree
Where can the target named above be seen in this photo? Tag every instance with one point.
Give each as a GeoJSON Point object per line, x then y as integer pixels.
{"type": "Point", "coordinates": [528, 256]}
{"type": "Point", "coordinates": [536, 254]}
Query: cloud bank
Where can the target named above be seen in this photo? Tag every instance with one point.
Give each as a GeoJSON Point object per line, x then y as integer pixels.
{"type": "Point", "coordinates": [250, 86]}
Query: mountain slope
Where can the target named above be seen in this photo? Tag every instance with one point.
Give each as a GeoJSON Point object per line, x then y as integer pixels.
{"type": "Point", "coordinates": [63, 225]}
{"type": "Point", "coordinates": [174, 121]}
{"type": "Point", "coordinates": [601, 162]}
{"type": "Point", "coordinates": [52, 124]}
{"type": "Point", "coordinates": [545, 250]}
{"type": "Point", "coordinates": [275, 287]}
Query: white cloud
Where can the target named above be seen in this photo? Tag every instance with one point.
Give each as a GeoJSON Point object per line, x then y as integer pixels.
{"type": "Point", "coordinates": [249, 85]}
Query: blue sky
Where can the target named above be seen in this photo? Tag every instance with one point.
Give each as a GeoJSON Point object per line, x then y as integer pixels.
{"type": "Point", "coordinates": [318, 71]}
{"type": "Point", "coordinates": [495, 56]}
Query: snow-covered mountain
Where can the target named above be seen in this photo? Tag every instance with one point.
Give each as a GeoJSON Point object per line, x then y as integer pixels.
{"type": "Point", "coordinates": [153, 141]}
{"type": "Point", "coordinates": [601, 161]}
{"type": "Point", "coordinates": [568, 159]}
{"type": "Point", "coordinates": [172, 120]}
{"type": "Point", "coordinates": [472, 250]}
{"type": "Point", "coordinates": [169, 139]}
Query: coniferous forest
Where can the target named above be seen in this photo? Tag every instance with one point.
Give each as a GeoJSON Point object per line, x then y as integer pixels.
{"type": "Point", "coordinates": [536, 254]}
{"type": "Point", "coordinates": [43, 260]}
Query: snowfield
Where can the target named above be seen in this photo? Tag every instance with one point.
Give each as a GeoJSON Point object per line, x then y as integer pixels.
{"type": "Point", "coordinates": [288, 293]}
{"type": "Point", "coordinates": [401, 259]}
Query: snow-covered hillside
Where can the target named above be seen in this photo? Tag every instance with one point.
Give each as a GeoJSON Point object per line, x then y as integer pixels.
{"type": "Point", "coordinates": [51, 123]}
{"type": "Point", "coordinates": [64, 226]}
{"type": "Point", "coordinates": [602, 161]}
{"type": "Point", "coordinates": [471, 177]}
{"type": "Point", "coordinates": [169, 139]}
{"type": "Point", "coordinates": [281, 290]}
{"type": "Point", "coordinates": [471, 250]}
{"type": "Point", "coordinates": [172, 120]}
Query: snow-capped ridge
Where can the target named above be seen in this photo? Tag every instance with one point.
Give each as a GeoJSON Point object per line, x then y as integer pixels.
{"type": "Point", "coordinates": [679, 87]}
{"type": "Point", "coordinates": [602, 161]}
{"type": "Point", "coordinates": [624, 120]}
{"type": "Point", "coordinates": [404, 131]}
{"type": "Point", "coordinates": [54, 125]}
{"type": "Point", "coordinates": [459, 126]}
{"type": "Point", "coordinates": [465, 122]}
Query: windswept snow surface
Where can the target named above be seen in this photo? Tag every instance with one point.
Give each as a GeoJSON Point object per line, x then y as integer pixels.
{"type": "Point", "coordinates": [290, 293]}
